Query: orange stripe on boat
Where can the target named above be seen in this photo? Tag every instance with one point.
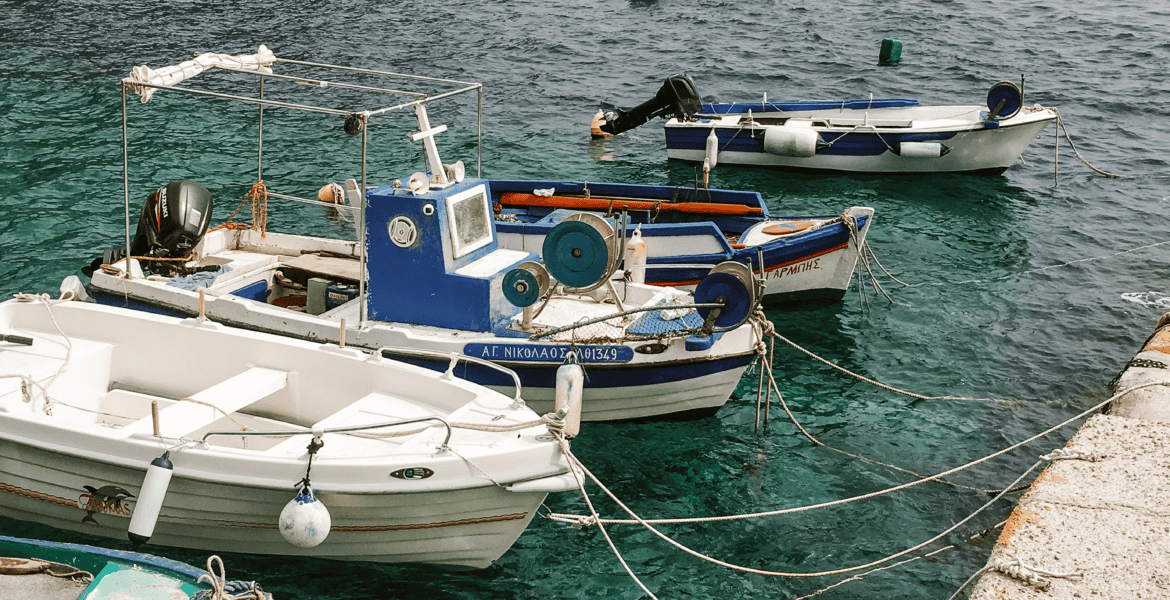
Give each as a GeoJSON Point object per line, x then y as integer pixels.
{"type": "Point", "coordinates": [604, 203]}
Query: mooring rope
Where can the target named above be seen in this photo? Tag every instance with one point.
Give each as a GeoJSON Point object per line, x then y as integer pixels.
{"type": "Point", "coordinates": [594, 519]}
{"type": "Point", "coordinates": [1056, 166]}
{"type": "Point", "coordinates": [770, 330]}
{"type": "Point", "coordinates": [222, 589]}
{"type": "Point", "coordinates": [1017, 568]}
{"type": "Point", "coordinates": [576, 519]}
{"type": "Point", "coordinates": [860, 576]}
{"type": "Point", "coordinates": [773, 386]}
{"type": "Point", "coordinates": [593, 512]}
{"type": "Point", "coordinates": [647, 523]}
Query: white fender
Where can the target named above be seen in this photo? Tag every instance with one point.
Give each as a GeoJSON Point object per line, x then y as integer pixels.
{"type": "Point", "coordinates": [712, 148]}
{"type": "Point", "coordinates": [636, 255]}
{"type": "Point", "coordinates": [920, 149]}
{"type": "Point", "coordinates": [570, 384]}
{"type": "Point", "coordinates": [800, 142]}
{"type": "Point", "coordinates": [150, 499]}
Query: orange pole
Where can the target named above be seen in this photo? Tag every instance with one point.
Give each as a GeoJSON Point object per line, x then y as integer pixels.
{"type": "Point", "coordinates": [603, 203]}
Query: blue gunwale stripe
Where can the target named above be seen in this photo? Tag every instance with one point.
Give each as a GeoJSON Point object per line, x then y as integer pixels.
{"type": "Point", "coordinates": [597, 375]}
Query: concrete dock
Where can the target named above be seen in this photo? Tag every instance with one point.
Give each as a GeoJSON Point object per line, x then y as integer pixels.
{"type": "Point", "coordinates": [1096, 525]}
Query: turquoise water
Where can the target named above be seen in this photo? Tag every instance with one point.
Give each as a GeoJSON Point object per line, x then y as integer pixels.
{"type": "Point", "coordinates": [1017, 284]}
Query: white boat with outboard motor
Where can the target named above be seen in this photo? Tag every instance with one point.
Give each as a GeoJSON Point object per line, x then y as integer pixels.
{"type": "Point", "coordinates": [189, 433]}
{"type": "Point", "coordinates": [886, 135]}
{"type": "Point", "coordinates": [428, 274]}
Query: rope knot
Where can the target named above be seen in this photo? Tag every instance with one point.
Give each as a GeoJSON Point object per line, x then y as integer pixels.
{"type": "Point", "coordinates": [1073, 453]}
{"type": "Point", "coordinates": [555, 424]}
{"type": "Point", "coordinates": [1015, 567]}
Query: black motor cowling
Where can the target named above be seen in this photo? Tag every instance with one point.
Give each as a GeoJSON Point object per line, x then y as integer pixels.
{"type": "Point", "coordinates": [174, 219]}
{"type": "Point", "coordinates": [676, 98]}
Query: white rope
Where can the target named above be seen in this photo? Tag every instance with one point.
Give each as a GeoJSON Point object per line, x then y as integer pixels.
{"type": "Point", "coordinates": [1073, 453]}
{"type": "Point", "coordinates": [774, 386]}
{"type": "Point", "coordinates": [861, 576]}
{"type": "Point", "coordinates": [1017, 568]}
{"type": "Point", "coordinates": [772, 332]}
{"type": "Point", "coordinates": [593, 518]}
{"type": "Point", "coordinates": [647, 524]}
{"type": "Point", "coordinates": [48, 302]}
{"type": "Point", "coordinates": [222, 589]}
{"type": "Point", "coordinates": [1056, 168]}
{"type": "Point", "coordinates": [897, 488]}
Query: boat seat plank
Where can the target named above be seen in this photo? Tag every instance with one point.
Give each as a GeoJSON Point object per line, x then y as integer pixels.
{"type": "Point", "coordinates": [375, 407]}
{"type": "Point", "coordinates": [327, 266]}
{"type": "Point", "coordinates": [193, 412]}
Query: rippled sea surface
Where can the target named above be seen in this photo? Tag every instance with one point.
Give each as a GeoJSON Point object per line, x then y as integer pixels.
{"type": "Point", "coordinates": [1019, 288]}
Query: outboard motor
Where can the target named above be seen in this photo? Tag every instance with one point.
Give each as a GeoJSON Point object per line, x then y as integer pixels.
{"type": "Point", "coordinates": [173, 220]}
{"type": "Point", "coordinates": [676, 98]}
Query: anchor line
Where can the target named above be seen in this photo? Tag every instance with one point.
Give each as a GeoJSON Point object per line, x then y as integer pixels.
{"type": "Point", "coordinates": [1056, 166]}
{"type": "Point", "coordinates": [594, 519]}
{"type": "Point", "coordinates": [647, 523]}
{"type": "Point", "coordinates": [773, 386]}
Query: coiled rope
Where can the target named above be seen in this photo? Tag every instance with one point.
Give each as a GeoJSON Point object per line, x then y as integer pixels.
{"type": "Point", "coordinates": [258, 195]}
{"type": "Point", "coordinates": [222, 589]}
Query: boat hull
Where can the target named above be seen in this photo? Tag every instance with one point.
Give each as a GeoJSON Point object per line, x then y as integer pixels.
{"type": "Point", "coordinates": [972, 146]}
{"type": "Point", "coordinates": [678, 378]}
{"type": "Point", "coordinates": [464, 527]}
{"type": "Point", "coordinates": [813, 265]}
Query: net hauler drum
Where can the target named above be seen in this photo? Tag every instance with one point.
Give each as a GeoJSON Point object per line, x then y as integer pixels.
{"type": "Point", "coordinates": [580, 253]}
{"type": "Point", "coordinates": [731, 284]}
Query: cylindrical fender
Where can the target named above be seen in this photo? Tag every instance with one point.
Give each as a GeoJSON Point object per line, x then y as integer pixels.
{"type": "Point", "coordinates": [798, 142]}
{"type": "Point", "coordinates": [150, 499]}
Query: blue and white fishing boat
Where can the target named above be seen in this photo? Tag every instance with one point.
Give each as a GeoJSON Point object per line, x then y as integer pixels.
{"type": "Point", "coordinates": [687, 231]}
{"type": "Point", "coordinates": [428, 277]}
{"type": "Point", "coordinates": [891, 135]}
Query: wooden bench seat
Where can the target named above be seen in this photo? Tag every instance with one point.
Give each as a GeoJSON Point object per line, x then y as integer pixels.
{"type": "Point", "coordinates": [193, 413]}
{"type": "Point", "coordinates": [373, 408]}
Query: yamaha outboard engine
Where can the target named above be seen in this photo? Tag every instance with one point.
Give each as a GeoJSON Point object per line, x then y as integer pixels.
{"type": "Point", "coordinates": [173, 220]}
{"type": "Point", "coordinates": [676, 98]}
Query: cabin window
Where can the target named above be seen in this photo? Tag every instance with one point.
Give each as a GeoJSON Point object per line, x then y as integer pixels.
{"type": "Point", "coordinates": [470, 216]}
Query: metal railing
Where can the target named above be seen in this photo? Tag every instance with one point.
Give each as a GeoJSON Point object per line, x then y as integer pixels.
{"type": "Point", "coordinates": [324, 430]}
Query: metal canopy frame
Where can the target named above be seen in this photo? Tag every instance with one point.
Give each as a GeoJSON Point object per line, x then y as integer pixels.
{"type": "Point", "coordinates": [417, 102]}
